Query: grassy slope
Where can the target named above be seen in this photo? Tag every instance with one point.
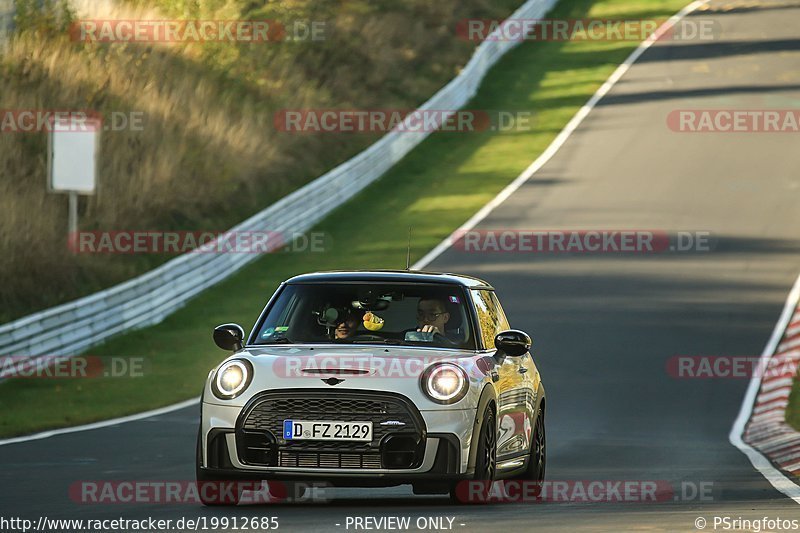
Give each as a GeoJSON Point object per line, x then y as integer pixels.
{"type": "Point", "coordinates": [435, 189]}
{"type": "Point", "coordinates": [207, 154]}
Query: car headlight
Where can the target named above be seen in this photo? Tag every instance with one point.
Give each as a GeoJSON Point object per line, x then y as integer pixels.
{"type": "Point", "coordinates": [445, 383]}
{"type": "Point", "coordinates": [232, 379]}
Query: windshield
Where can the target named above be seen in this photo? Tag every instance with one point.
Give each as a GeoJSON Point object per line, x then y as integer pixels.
{"type": "Point", "coordinates": [369, 313]}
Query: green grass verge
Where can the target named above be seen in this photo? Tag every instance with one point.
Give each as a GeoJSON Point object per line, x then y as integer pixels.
{"type": "Point", "coordinates": [435, 188]}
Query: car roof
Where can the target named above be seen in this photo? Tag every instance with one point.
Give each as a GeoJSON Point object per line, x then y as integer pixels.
{"type": "Point", "coordinates": [393, 276]}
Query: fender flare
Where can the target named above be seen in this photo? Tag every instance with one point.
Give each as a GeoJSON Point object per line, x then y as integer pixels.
{"type": "Point", "coordinates": [488, 395]}
{"type": "Point", "coordinates": [538, 410]}
{"type": "Point", "coordinates": [539, 400]}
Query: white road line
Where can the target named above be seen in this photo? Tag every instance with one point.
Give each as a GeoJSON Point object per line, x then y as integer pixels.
{"type": "Point", "coordinates": [562, 137]}
{"type": "Point", "coordinates": [104, 423]}
{"type": "Point", "coordinates": [551, 150]}
{"type": "Point", "coordinates": [774, 476]}
{"type": "Point", "coordinates": [761, 463]}
{"type": "Point", "coordinates": [559, 141]}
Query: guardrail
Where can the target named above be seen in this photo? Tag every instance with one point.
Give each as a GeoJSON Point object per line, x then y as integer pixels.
{"type": "Point", "coordinates": [70, 328]}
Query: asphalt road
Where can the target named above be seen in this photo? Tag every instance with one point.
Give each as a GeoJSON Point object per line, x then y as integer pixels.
{"type": "Point", "coordinates": [604, 325]}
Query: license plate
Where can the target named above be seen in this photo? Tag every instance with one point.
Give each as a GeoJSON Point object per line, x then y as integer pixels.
{"type": "Point", "coordinates": [326, 430]}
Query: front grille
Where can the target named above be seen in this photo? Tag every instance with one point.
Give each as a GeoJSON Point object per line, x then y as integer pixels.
{"type": "Point", "coordinates": [329, 460]}
{"type": "Point", "coordinates": [266, 413]}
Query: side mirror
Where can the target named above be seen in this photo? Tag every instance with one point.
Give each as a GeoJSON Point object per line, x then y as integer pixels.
{"type": "Point", "coordinates": [513, 342]}
{"type": "Point", "coordinates": [229, 336]}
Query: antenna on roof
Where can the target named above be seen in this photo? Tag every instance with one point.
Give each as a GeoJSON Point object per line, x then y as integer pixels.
{"type": "Point", "coordinates": [408, 251]}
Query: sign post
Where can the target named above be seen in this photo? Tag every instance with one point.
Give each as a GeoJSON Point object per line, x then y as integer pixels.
{"type": "Point", "coordinates": [72, 159]}
{"type": "Point", "coordinates": [72, 223]}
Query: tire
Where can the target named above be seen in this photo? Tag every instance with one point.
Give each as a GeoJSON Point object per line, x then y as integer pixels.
{"type": "Point", "coordinates": [485, 462]}
{"type": "Point", "coordinates": [538, 450]}
{"type": "Point", "coordinates": [537, 461]}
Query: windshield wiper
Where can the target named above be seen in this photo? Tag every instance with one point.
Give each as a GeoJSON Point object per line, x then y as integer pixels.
{"type": "Point", "coordinates": [394, 342]}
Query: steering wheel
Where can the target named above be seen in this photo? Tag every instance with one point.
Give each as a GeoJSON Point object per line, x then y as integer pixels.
{"type": "Point", "coordinates": [441, 337]}
{"type": "Point", "coordinates": [436, 336]}
{"type": "Point", "coordinates": [365, 337]}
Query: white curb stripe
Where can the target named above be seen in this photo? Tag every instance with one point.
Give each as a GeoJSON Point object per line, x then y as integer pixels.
{"type": "Point", "coordinates": [774, 395]}
{"type": "Point", "coordinates": [775, 384]}
{"type": "Point", "coordinates": [775, 444]}
{"type": "Point", "coordinates": [795, 453]}
{"type": "Point", "coordinates": [777, 478]}
{"type": "Point", "coordinates": [771, 406]}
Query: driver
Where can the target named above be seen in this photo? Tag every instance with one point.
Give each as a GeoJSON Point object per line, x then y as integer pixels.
{"type": "Point", "coordinates": [432, 315]}
{"type": "Point", "coordinates": [347, 328]}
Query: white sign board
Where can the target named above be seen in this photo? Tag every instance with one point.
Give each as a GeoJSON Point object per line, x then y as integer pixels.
{"type": "Point", "coordinates": [73, 154]}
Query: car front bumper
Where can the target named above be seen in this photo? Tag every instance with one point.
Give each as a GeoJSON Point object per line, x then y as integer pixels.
{"type": "Point", "coordinates": [228, 445]}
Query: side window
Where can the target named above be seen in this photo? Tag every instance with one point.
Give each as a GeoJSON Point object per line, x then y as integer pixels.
{"type": "Point", "coordinates": [502, 321]}
{"type": "Point", "coordinates": [491, 318]}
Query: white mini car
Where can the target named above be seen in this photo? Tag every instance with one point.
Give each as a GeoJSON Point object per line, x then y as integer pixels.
{"type": "Point", "coordinates": [376, 378]}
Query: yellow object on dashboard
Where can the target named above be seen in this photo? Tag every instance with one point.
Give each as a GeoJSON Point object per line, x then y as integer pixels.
{"type": "Point", "coordinates": [372, 321]}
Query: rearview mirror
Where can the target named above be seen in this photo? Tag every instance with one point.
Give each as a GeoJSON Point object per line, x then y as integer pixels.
{"type": "Point", "coordinates": [229, 337]}
{"type": "Point", "coordinates": [513, 342]}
